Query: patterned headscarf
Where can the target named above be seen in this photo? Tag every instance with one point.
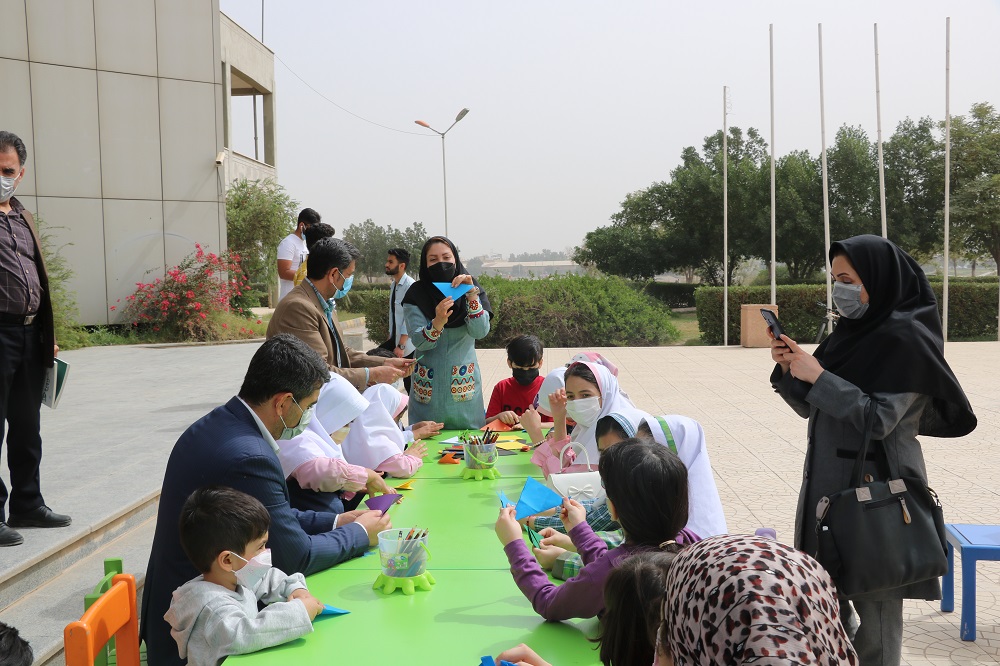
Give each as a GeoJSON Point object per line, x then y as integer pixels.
{"type": "Point", "coordinates": [733, 600]}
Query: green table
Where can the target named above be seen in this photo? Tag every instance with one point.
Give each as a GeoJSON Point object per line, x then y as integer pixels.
{"type": "Point", "coordinates": [468, 614]}
{"type": "Point", "coordinates": [517, 465]}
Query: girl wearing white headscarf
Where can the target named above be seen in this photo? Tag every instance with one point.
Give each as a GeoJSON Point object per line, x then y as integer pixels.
{"type": "Point", "coordinates": [375, 440]}
{"type": "Point", "coordinates": [591, 392]}
{"type": "Point", "coordinates": [318, 473]}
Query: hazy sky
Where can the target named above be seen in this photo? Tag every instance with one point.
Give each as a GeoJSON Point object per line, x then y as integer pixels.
{"type": "Point", "coordinates": [575, 103]}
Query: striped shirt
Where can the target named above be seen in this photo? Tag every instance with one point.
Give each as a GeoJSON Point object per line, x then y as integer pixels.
{"type": "Point", "coordinates": [20, 288]}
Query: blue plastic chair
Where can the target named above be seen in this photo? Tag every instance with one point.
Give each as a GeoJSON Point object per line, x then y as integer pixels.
{"type": "Point", "coordinates": [974, 543]}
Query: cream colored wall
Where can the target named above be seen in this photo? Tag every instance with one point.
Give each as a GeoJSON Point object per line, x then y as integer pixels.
{"type": "Point", "coordinates": [119, 103]}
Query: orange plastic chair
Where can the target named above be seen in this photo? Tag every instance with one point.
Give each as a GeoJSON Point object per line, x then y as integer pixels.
{"type": "Point", "coordinates": [113, 615]}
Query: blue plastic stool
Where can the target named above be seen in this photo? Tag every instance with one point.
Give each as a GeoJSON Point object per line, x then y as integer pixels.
{"type": "Point", "coordinates": [974, 543]}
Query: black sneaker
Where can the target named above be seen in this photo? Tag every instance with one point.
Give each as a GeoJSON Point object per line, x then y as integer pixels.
{"type": "Point", "coordinates": [43, 516]}
{"type": "Point", "coordinates": [9, 536]}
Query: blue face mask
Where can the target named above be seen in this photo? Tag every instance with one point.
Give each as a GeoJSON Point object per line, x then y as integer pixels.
{"type": "Point", "coordinates": [346, 288]}
{"type": "Point", "coordinates": [847, 300]}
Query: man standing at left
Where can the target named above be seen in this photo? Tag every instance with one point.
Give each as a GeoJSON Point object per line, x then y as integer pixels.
{"type": "Point", "coordinates": [27, 350]}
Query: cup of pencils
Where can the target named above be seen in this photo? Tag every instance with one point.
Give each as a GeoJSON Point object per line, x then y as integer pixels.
{"type": "Point", "coordinates": [403, 552]}
{"type": "Point", "coordinates": [481, 451]}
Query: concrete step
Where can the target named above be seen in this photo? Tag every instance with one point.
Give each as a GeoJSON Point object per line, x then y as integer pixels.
{"type": "Point", "coordinates": [43, 613]}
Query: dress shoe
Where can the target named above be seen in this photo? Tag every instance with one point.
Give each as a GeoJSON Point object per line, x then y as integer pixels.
{"type": "Point", "coordinates": [43, 516]}
{"type": "Point", "coordinates": [9, 536]}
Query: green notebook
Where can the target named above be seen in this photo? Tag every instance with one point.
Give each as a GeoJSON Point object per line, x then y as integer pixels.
{"type": "Point", "coordinates": [55, 382]}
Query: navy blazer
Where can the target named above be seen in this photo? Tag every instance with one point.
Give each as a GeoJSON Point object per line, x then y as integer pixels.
{"type": "Point", "coordinates": [225, 448]}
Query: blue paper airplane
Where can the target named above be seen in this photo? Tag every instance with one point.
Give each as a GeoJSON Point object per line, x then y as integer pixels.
{"type": "Point", "coordinates": [454, 293]}
{"type": "Point", "coordinates": [536, 498]}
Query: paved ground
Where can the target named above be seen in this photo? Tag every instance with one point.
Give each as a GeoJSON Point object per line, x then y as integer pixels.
{"type": "Point", "coordinates": [125, 406]}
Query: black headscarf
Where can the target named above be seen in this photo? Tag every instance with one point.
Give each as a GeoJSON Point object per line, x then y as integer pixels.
{"type": "Point", "coordinates": [426, 296]}
{"type": "Point", "coordinates": [897, 345]}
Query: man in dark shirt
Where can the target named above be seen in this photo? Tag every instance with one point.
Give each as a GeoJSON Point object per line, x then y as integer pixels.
{"type": "Point", "coordinates": [27, 350]}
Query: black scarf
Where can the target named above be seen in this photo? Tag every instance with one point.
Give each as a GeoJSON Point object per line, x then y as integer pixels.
{"type": "Point", "coordinates": [426, 296]}
{"type": "Point", "coordinates": [897, 345]}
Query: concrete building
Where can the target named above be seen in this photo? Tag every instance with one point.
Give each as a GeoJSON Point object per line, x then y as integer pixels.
{"type": "Point", "coordinates": [526, 269]}
{"type": "Point", "coordinates": [121, 105]}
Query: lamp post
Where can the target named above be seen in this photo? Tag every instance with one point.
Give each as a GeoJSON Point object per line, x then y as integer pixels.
{"type": "Point", "coordinates": [444, 168]}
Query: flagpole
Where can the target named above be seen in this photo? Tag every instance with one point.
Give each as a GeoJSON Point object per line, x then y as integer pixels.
{"type": "Point", "coordinates": [774, 288]}
{"type": "Point", "coordinates": [826, 190]}
{"type": "Point", "coordinates": [878, 120]}
{"type": "Point", "coordinates": [947, 170]}
{"type": "Point", "coordinates": [725, 220]}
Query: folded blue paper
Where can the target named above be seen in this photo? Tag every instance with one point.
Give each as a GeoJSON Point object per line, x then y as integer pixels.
{"type": "Point", "coordinates": [488, 661]}
{"type": "Point", "coordinates": [504, 502]}
{"type": "Point", "coordinates": [536, 498]}
{"type": "Point", "coordinates": [333, 610]}
{"type": "Point", "coordinates": [454, 293]}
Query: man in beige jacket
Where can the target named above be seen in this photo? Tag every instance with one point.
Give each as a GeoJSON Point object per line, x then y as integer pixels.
{"type": "Point", "coordinates": [307, 313]}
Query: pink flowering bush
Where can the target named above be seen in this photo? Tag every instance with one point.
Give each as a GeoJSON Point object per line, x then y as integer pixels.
{"type": "Point", "coordinates": [192, 302]}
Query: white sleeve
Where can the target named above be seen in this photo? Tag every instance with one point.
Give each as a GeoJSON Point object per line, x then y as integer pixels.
{"type": "Point", "coordinates": [287, 249]}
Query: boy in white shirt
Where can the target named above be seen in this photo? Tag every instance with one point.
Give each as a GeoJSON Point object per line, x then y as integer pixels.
{"type": "Point", "coordinates": [224, 534]}
{"type": "Point", "coordinates": [292, 250]}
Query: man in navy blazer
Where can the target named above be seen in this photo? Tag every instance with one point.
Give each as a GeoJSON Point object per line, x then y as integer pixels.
{"type": "Point", "coordinates": [234, 445]}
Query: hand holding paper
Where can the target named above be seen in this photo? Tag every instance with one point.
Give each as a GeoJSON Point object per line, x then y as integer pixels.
{"type": "Point", "coordinates": [382, 502]}
{"type": "Point", "coordinates": [536, 498]}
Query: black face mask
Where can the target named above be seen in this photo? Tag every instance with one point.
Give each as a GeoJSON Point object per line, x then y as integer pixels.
{"type": "Point", "coordinates": [524, 377]}
{"type": "Point", "coordinates": [442, 272]}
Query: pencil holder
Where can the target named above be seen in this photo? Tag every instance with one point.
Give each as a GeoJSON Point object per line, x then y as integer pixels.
{"type": "Point", "coordinates": [480, 461]}
{"type": "Point", "coordinates": [404, 562]}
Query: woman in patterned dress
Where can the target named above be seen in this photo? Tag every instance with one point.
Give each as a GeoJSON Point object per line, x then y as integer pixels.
{"type": "Point", "coordinates": [446, 385]}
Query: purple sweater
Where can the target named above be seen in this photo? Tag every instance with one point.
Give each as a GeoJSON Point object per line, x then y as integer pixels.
{"type": "Point", "coordinates": [583, 595]}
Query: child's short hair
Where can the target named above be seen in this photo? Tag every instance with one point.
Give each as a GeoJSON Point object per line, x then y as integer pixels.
{"type": "Point", "coordinates": [14, 650]}
{"type": "Point", "coordinates": [633, 599]}
{"type": "Point", "coordinates": [648, 485]}
{"type": "Point", "coordinates": [216, 519]}
{"type": "Point", "coordinates": [524, 350]}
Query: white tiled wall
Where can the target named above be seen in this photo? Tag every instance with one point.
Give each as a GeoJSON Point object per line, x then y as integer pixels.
{"type": "Point", "coordinates": [117, 103]}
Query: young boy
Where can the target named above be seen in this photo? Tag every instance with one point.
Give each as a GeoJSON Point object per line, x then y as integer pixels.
{"type": "Point", "coordinates": [14, 650]}
{"type": "Point", "coordinates": [224, 534]}
{"type": "Point", "coordinates": [515, 394]}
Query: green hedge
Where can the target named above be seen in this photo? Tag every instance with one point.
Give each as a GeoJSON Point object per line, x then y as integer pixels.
{"type": "Point", "coordinates": [563, 310]}
{"type": "Point", "coordinates": [979, 279]}
{"type": "Point", "coordinates": [972, 310]}
{"type": "Point", "coordinates": [674, 294]}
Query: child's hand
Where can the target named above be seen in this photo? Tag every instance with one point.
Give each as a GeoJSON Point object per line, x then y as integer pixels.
{"type": "Point", "coordinates": [418, 449]}
{"type": "Point", "coordinates": [547, 555]}
{"type": "Point", "coordinates": [313, 605]}
{"type": "Point", "coordinates": [531, 421]}
{"type": "Point", "coordinates": [374, 522]}
{"type": "Point", "coordinates": [551, 537]}
{"type": "Point", "coordinates": [508, 418]}
{"type": "Point", "coordinates": [508, 530]}
{"type": "Point", "coordinates": [425, 429]}
{"type": "Point", "coordinates": [557, 404]}
{"type": "Point", "coordinates": [573, 513]}
{"type": "Point", "coordinates": [376, 484]}
{"type": "Point", "coordinates": [522, 655]}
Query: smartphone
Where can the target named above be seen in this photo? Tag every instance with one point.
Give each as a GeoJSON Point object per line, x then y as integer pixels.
{"type": "Point", "coordinates": [772, 323]}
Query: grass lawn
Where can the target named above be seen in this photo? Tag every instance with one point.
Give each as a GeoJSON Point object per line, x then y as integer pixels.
{"type": "Point", "coordinates": [343, 315]}
{"type": "Point", "coordinates": [687, 324]}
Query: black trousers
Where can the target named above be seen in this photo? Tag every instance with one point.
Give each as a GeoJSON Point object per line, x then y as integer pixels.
{"type": "Point", "coordinates": [22, 378]}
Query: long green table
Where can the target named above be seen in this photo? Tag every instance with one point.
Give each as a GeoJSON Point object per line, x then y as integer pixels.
{"type": "Point", "coordinates": [475, 608]}
{"type": "Point", "coordinates": [517, 465]}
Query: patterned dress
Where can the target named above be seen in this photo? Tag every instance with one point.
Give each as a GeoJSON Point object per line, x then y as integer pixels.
{"type": "Point", "coordinates": [446, 385]}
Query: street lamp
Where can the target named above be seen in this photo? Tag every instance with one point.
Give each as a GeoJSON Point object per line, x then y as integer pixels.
{"type": "Point", "coordinates": [444, 168]}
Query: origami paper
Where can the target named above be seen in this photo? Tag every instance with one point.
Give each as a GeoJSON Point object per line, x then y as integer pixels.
{"type": "Point", "coordinates": [488, 661]}
{"type": "Point", "coordinates": [454, 293]}
{"type": "Point", "coordinates": [536, 498]}
{"type": "Point", "coordinates": [405, 486]}
{"type": "Point", "coordinates": [449, 459]}
{"type": "Point", "coordinates": [534, 537]}
{"type": "Point", "coordinates": [496, 425]}
{"type": "Point", "coordinates": [504, 502]}
{"type": "Point", "coordinates": [333, 610]}
{"type": "Point", "coordinates": [382, 502]}
{"type": "Point", "coordinates": [513, 445]}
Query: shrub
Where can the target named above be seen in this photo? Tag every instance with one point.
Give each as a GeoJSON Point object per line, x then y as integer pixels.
{"type": "Point", "coordinates": [259, 213]}
{"type": "Point", "coordinates": [564, 311]}
{"type": "Point", "coordinates": [68, 333]}
{"type": "Point", "coordinates": [192, 301]}
{"type": "Point", "coordinates": [972, 310]}
{"type": "Point", "coordinates": [674, 294]}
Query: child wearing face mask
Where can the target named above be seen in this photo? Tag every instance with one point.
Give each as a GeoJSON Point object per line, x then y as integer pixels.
{"type": "Point", "coordinates": [224, 533]}
{"type": "Point", "coordinates": [512, 396]}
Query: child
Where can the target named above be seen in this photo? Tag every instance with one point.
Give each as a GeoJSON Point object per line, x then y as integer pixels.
{"type": "Point", "coordinates": [14, 650]}
{"type": "Point", "coordinates": [224, 533]}
{"type": "Point", "coordinates": [647, 493]}
{"type": "Point", "coordinates": [517, 393]}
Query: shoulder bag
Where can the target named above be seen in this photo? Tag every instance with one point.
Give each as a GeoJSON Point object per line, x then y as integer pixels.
{"type": "Point", "coordinates": [577, 485]}
{"type": "Point", "coordinates": [880, 535]}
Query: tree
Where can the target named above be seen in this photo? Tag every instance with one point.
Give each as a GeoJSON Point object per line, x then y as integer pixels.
{"type": "Point", "coordinates": [259, 213]}
{"type": "Point", "coordinates": [374, 241]}
{"type": "Point", "coordinates": [799, 237]}
{"type": "Point", "coordinates": [852, 170]}
{"type": "Point", "coordinates": [975, 181]}
{"type": "Point", "coordinates": [914, 186]}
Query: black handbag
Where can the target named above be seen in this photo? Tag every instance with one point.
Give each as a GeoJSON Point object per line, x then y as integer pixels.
{"type": "Point", "coordinates": [879, 535]}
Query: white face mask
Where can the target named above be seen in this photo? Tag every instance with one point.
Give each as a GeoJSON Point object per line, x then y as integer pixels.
{"type": "Point", "coordinates": [254, 570]}
{"type": "Point", "coordinates": [7, 186]}
{"type": "Point", "coordinates": [584, 411]}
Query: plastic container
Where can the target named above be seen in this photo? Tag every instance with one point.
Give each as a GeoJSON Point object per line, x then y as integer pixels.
{"type": "Point", "coordinates": [402, 558]}
{"type": "Point", "coordinates": [480, 456]}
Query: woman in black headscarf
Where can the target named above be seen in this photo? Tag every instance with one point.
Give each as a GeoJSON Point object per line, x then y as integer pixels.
{"type": "Point", "coordinates": [887, 344]}
{"type": "Point", "coordinates": [446, 385]}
